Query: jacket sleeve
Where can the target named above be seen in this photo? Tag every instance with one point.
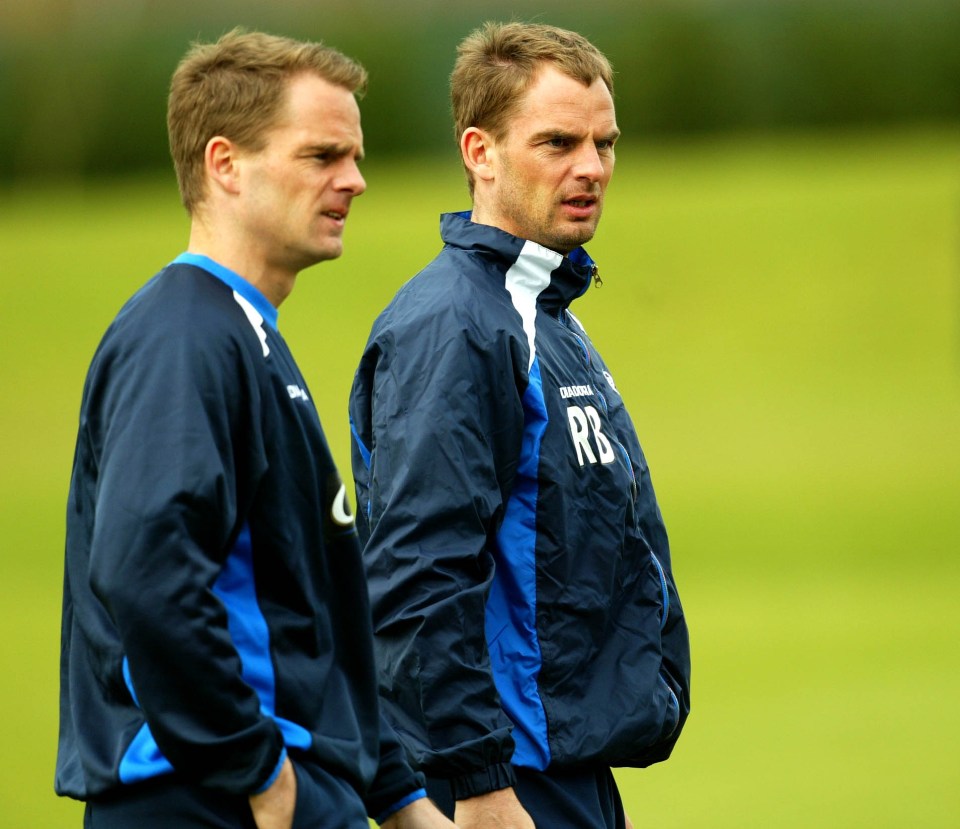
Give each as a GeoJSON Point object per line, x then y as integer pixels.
{"type": "Point", "coordinates": [396, 784]}
{"type": "Point", "coordinates": [437, 434]}
{"type": "Point", "coordinates": [171, 416]}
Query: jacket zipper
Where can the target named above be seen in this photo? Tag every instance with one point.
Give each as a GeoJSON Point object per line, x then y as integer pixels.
{"type": "Point", "coordinates": [564, 320]}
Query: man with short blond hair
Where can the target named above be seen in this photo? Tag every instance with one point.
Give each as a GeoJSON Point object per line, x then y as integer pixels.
{"type": "Point", "coordinates": [217, 665]}
{"type": "Point", "coordinates": [528, 629]}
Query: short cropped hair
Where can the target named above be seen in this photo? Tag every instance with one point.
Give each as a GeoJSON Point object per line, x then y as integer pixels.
{"type": "Point", "coordinates": [236, 88]}
{"type": "Point", "coordinates": [497, 63]}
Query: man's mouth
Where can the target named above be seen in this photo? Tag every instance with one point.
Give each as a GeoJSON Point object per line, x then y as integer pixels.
{"type": "Point", "coordinates": [581, 207]}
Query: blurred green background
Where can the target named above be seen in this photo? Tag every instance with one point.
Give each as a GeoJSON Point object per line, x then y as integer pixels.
{"type": "Point", "coordinates": [780, 307]}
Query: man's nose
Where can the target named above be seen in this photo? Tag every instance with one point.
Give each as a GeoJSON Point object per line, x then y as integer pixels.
{"type": "Point", "coordinates": [351, 179]}
{"type": "Point", "coordinates": [589, 165]}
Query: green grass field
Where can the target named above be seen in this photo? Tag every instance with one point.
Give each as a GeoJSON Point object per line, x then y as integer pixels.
{"type": "Point", "coordinates": [782, 317]}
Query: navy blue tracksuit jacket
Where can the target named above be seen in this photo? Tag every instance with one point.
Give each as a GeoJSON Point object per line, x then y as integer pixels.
{"type": "Point", "coordinates": [524, 605]}
{"type": "Point", "coordinates": [215, 613]}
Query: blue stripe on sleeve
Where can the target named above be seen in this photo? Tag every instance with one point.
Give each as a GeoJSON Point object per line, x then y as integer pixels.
{"type": "Point", "coordinates": [419, 794]}
{"type": "Point", "coordinates": [251, 637]}
{"type": "Point", "coordinates": [511, 617]}
{"type": "Point", "coordinates": [274, 774]}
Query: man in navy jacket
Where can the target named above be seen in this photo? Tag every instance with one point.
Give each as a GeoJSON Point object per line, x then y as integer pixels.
{"type": "Point", "coordinates": [217, 662]}
{"type": "Point", "coordinates": [528, 630]}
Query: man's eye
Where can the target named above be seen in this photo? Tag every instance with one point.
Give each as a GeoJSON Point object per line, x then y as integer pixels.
{"type": "Point", "coordinates": [559, 142]}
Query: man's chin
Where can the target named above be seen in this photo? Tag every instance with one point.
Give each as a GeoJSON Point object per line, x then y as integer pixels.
{"type": "Point", "coordinates": [326, 252]}
{"type": "Point", "coordinates": [572, 238]}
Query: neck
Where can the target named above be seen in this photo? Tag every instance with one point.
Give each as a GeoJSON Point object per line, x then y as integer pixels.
{"type": "Point", "coordinates": [236, 253]}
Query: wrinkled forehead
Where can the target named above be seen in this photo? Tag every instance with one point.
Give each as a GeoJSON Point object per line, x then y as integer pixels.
{"type": "Point", "coordinates": [320, 112]}
{"type": "Point", "coordinates": [554, 98]}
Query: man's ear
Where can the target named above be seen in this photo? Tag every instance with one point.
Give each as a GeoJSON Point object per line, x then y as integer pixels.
{"type": "Point", "coordinates": [479, 152]}
{"type": "Point", "coordinates": [221, 159]}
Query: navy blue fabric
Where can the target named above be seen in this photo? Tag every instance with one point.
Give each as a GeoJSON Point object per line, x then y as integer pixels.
{"type": "Point", "coordinates": [582, 799]}
{"type": "Point", "coordinates": [323, 802]}
{"type": "Point", "coordinates": [326, 802]}
{"type": "Point", "coordinates": [167, 802]}
{"type": "Point", "coordinates": [522, 587]}
{"type": "Point", "coordinates": [215, 610]}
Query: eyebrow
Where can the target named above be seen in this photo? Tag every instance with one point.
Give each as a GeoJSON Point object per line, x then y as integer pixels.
{"type": "Point", "coordinates": [547, 134]}
{"type": "Point", "coordinates": [335, 150]}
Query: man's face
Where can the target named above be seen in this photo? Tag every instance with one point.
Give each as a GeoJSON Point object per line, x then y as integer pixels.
{"type": "Point", "coordinates": [297, 190]}
{"type": "Point", "coordinates": [552, 167]}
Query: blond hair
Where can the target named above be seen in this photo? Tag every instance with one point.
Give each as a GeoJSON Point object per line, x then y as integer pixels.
{"type": "Point", "coordinates": [235, 88]}
{"type": "Point", "coordinates": [497, 63]}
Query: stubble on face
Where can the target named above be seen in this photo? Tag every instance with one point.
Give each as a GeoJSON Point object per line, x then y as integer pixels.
{"type": "Point", "coordinates": [554, 163]}
{"type": "Point", "coordinates": [537, 213]}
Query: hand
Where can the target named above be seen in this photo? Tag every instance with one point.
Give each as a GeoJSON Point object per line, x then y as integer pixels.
{"type": "Point", "coordinates": [421, 814]}
{"type": "Point", "coordinates": [273, 808]}
{"type": "Point", "coordinates": [497, 810]}
{"type": "Point", "coordinates": [627, 822]}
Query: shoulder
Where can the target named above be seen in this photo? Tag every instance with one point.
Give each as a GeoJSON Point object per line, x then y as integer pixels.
{"type": "Point", "coordinates": [182, 327]}
{"type": "Point", "coordinates": [181, 306]}
{"type": "Point", "coordinates": [459, 293]}
{"type": "Point", "coordinates": [452, 325]}
{"type": "Point", "coordinates": [181, 295]}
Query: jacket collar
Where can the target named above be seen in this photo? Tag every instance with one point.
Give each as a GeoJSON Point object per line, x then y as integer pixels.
{"type": "Point", "coordinates": [569, 276]}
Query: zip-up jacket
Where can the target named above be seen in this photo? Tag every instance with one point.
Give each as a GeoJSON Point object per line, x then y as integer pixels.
{"type": "Point", "coordinates": [525, 610]}
{"type": "Point", "coordinates": [215, 612]}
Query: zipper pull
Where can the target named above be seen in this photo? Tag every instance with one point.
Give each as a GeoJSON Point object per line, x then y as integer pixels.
{"type": "Point", "coordinates": [595, 273]}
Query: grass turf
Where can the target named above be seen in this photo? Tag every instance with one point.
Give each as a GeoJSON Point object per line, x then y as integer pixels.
{"type": "Point", "coordinates": [781, 316]}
